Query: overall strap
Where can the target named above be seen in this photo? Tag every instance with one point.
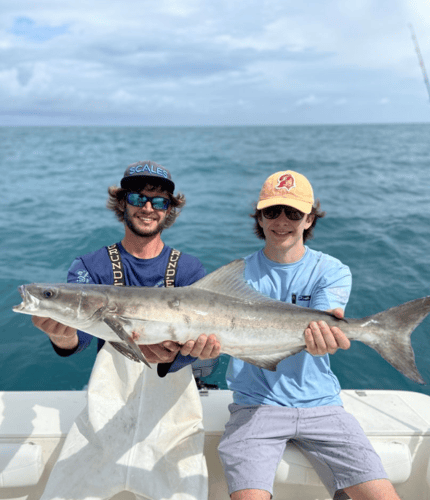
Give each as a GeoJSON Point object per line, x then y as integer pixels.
{"type": "Point", "coordinates": [169, 281]}
{"type": "Point", "coordinates": [117, 267]}
{"type": "Point", "coordinates": [172, 268]}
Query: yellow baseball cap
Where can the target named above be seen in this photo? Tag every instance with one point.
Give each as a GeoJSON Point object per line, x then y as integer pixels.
{"type": "Point", "coordinates": [287, 188]}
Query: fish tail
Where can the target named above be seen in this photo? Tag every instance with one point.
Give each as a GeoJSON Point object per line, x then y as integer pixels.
{"type": "Point", "coordinates": [392, 329]}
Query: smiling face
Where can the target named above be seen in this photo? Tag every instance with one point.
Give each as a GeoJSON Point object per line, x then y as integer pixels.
{"type": "Point", "coordinates": [284, 237]}
{"type": "Point", "coordinates": [145, 221]}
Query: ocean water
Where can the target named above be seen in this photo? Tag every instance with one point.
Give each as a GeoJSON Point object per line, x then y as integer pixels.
{"type": "Point", "coordinates": [372, 180]}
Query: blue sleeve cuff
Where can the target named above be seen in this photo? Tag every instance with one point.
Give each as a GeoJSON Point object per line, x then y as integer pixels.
{"type": "Point", "coordinates": [84, 342]}
{"type": "Point", "coordinates": [180, 362]}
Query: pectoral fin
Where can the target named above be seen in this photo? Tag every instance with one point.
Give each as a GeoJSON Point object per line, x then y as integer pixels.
{"type": "Point", "coordinates": [128, 346]}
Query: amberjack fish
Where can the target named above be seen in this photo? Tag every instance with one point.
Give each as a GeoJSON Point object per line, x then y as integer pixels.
{"type": "Point", "coordinates": [249, 325]}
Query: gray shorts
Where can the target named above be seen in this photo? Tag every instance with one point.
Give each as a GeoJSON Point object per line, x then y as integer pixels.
{"type": "Point", "coordinates": [332, 440]}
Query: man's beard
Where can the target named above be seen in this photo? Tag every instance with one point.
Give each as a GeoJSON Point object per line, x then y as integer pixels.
{"type": "Point", "coordinates": [143, 234]}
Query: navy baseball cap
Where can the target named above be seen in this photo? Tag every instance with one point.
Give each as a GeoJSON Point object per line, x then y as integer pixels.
{"type": "Point", "coordinates": [143, 172]}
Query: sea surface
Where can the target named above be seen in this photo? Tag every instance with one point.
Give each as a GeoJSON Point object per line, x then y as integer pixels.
{"type": "Point", "coordinates": [372, 180]}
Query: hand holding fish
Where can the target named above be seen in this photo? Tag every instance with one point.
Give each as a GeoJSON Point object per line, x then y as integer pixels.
{"type": "Point", "coordinates": [205, 347]}
{"type": "Point", "coordinates": [64, 337]}
{"type": "Point", "coordinates": [322, 339]}
{"type": "Point", "coordinates": [165, 352]}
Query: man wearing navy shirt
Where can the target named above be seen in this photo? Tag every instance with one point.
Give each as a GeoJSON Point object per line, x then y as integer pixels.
{"type": "Point", "coordinates": [300, 400]}
{"type": "Point", "coordinates": [139, 432]}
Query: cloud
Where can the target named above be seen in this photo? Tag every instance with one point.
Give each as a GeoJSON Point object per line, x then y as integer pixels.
{"type": "Point", "coordinates": [198, 62]}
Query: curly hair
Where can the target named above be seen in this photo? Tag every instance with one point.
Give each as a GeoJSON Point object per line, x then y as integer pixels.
{"type": "Point", "coordinates": [307, 234]}
{"type": "Point", "coordinates": [117, 201]}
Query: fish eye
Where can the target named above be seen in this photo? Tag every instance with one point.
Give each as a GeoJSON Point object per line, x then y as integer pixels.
{"type": "Point", "coordinates": [48, 294]}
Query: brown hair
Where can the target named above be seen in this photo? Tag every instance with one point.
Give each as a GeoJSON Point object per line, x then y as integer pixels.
{"type": "Point", "coordinates": [307, 233]}
{"type": "Point", "coordinates": [117, 201]}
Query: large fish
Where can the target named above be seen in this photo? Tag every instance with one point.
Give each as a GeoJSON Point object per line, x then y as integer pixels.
{"type": "Point", "coordinates": [249, 325]}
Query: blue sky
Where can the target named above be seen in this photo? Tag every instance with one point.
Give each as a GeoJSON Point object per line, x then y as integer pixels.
{"type": "Point", "coordinates": [212, 62]}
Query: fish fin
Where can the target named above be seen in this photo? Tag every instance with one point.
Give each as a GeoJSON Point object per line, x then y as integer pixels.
{"type": "Point", "coordinates": [229, 280]}
{"type": "Point", "coordinates": [128, 345]}
{"type": "Point", "coordinates": [270, 361]}
{"type": "Point", "coordinates": [393, 329]}
{"type": "Point", "coordinates": [125, 350]}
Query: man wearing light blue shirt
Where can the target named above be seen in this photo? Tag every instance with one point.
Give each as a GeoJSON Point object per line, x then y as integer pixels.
{"type": "Point", "coordinates": [300, 401]}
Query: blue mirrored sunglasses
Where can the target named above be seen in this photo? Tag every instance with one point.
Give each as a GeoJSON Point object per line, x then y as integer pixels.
{"type": "Point", "coordinates": [140, 200]}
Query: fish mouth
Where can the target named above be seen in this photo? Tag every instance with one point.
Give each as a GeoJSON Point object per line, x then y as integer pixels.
{"type": "Point", "coordinates": [21, 306]}
{"type": "Point", "coordinates": [28, 304]}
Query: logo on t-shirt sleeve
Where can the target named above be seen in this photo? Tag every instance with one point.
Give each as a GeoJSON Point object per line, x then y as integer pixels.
{"type": "Point", "coordinates": [83, 277]}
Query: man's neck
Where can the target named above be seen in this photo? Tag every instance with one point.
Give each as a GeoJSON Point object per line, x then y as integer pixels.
{"type": "Point", "coordinates": [282, 256]}
{"type": "Point", "coordinates": [143, 247]}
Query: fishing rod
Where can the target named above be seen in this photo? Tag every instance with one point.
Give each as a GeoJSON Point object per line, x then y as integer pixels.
{"type": "Point", "coordinates": [420, 59]}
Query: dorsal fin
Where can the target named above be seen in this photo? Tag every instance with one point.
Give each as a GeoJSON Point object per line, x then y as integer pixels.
{"type": "Point", "coordinates": [229, 280]}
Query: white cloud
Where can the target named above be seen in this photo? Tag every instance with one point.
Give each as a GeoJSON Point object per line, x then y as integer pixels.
{"type": "Point", "coordinates": [197, 60]}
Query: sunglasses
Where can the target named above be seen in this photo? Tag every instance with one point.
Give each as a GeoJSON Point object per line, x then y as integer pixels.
{"type": "Point", "coordinates": [140, 200]}
{"type": "Point", "coordinates": [275, 211]}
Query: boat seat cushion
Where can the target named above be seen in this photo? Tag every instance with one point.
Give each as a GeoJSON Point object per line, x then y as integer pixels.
{"type": "Point", "coordinates": [20, 464]}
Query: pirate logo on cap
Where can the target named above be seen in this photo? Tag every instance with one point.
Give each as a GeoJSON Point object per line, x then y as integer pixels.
{"type": "Point", "coordinates": [286, 181]}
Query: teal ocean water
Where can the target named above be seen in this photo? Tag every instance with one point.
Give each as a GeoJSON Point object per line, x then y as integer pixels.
{"type": "Point", "coordinates": [372, 180]}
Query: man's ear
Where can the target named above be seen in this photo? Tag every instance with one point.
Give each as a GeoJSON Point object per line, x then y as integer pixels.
{"type": "Point", "coordinates": [309, 220]}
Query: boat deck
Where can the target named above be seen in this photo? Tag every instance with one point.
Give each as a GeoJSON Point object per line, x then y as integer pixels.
{"type": "Point", "coordinates": [33, 426]}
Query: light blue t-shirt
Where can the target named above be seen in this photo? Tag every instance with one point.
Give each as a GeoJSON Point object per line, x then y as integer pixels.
{"type": "Point", "coordinates": [318, 281]}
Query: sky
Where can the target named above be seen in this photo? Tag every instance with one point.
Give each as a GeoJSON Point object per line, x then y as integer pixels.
{"type": "Point", "coordinates": [212, 62]}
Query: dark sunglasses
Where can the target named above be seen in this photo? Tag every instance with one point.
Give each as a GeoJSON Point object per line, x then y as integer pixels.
{"type": "Point", "coordinates": [140, 200]}
{"type": "Point", "coordinates": [275, 211]}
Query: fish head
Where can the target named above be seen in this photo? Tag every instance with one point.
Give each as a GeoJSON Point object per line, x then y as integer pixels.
{"type": "Point", "coordinates": [71, 304]}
